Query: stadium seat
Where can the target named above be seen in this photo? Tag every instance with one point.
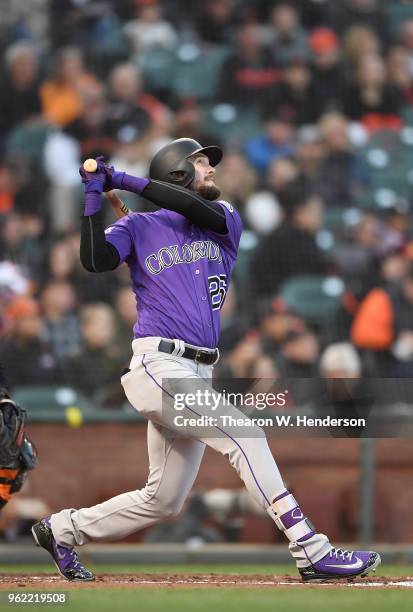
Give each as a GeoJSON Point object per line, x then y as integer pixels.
{"type": "Point", "coordinates": [188, 70]}
{"type": "Point", "coordinates": [50, 398]}
{"type": "Point", "coordinates": [158, 68]}
{"type": "Point", "coordinates": [337, 219]}
{"type": "Point", "coordinates": [229, 123]}
{"type": "Point", "coordinates": [241, 274]}
{"type": "Point", "coordinates": [333, 218]}
{"type": "Point", "coordinates": [196, 70]}
{"type": "Point", "coordinates": [56, 403]}
{"type": "Point", "coordinates": [389, 156]}
{"type": "Point", "coordinates": [398, 12]}
{"type": "Point", "coordinates": [29, 139]}
{"type": "Point", "coordinates": [407, 114]}
{"type": "Point", "coordinates": [314, 298]}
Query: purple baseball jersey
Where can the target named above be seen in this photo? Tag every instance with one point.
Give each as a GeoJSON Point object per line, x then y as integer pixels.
{"type": "Point", "coordinates": [180, 273]}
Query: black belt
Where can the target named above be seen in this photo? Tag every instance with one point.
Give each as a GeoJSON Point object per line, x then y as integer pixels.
{"type": "Point", "coordinates": [190, 352]}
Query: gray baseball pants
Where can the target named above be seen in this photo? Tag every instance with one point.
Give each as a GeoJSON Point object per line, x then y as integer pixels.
{"type": "Point", "coordinates": [175, 454]}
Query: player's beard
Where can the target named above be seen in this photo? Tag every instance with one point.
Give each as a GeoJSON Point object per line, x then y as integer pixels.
{"type": "Point", "coordinates": [209, 192]}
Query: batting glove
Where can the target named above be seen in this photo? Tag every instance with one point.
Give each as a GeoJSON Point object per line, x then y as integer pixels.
{"type": "Point", "coordinates": [109, 179]}
{"type": "Point", "coordinates": [114, 179]}
{"type": "Point", "coordinates": [94, 182]}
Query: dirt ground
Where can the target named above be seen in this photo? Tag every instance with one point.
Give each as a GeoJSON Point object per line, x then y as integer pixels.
{"type": "Point", "coordinates": [8, 581]}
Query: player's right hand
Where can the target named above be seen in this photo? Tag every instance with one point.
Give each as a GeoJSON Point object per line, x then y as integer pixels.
{"type": "Point", "coordinates": [113, 177]}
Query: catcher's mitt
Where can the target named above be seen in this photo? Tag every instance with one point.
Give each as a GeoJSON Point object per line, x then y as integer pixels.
{"type": "Point", "coordinates": [17, 453]}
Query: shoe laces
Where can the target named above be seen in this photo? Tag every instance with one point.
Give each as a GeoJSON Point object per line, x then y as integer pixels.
{"type": "Point", "coordinates": [346, 555]}
{"type": "Point", "coordinates": [74, 559]}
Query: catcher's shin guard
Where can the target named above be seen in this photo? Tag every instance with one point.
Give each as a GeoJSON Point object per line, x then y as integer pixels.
{"type": "Point", "coordinates": [17, 453]}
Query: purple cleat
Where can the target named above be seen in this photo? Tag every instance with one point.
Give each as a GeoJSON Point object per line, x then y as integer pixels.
{"type": "Point", "coordinates": [339, 563]}
{"type": "Point", "coordinates": [66, 559]}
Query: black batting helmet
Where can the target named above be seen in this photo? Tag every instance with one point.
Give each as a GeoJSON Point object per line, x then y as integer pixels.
{"type": "Point", "coordinates": [174, 158]}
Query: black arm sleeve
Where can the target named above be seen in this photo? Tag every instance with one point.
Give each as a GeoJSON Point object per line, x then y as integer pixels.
{"type": "Point", "coordinates": [198, 210]}
{"type": "Point", "coordinates": [96, 254]}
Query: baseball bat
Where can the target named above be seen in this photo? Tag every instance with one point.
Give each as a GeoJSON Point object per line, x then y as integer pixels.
{"type": "Point", "coordinates": [120, 208]}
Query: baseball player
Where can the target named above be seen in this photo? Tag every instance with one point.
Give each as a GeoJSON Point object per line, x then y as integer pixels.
{"type": "Point", "coordinates": [180, 259]}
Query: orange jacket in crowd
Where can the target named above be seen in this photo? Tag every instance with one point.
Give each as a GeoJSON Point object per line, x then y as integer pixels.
{"type": "Point", "coordinates": [62, 102]}
{"type": "Point", "coordinates": [373, 325]}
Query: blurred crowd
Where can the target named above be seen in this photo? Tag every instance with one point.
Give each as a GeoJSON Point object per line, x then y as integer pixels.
{"type": "Point", "coordinates": [312, 102]}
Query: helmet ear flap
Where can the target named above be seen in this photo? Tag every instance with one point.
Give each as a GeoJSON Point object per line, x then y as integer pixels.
{"type": "Point", "coordinates": [188, 173]}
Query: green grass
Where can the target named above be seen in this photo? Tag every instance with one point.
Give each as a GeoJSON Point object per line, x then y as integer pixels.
{"type": "Point", "coordinates": [221, 599]}
{"type": "Point", "coordinates": [233, 600]}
